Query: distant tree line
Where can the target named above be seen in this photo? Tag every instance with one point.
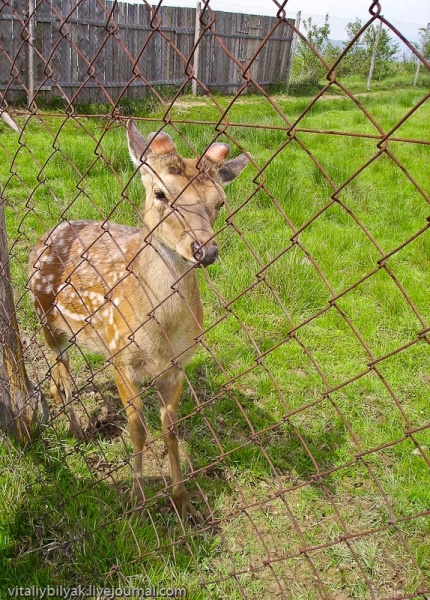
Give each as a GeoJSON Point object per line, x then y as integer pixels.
{"type": "Point", "coordinates": [308, 71]}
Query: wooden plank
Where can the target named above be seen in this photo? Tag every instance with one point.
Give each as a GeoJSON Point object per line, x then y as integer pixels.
{"type": "Point", "coordinates": [122, 64]}
{"type": "Point", "coordinates": [73, 83]}
{"type": "Point", "coordinates": [83, 52]}
{"type": "Point", "coordinates": [98, 51]}
{"type": "Point", "coordinates": [109, 46]}
{"type": "Point", "coordinates": [62, 59]}
{"type": "Point", "coordinates": [235, 28]}
{"type": "Point", "coordinates": [56, 42]}
{"type": "Point", "coordinates": [7, 55]}
{"type": "Point", "coordinates": [160, 51]}
{"type": "Point", "coordinates": [207, 58]}
{"type": "Point", "coordinates": [184, 40]}
{"type": "Point", "coordinates": [87, 52]}
{"type": "Point", "coordinates": [145, 44]}
{"type": "Point", "coordinates": [43, 24]}
{"type": "Point", "coordinates": [13, 53]}
{"type": "Point", "coordinates": [131, 43]}
{"type": "Point", "coordinates": [92, 91]}
{"type": "Point", "coordinates": [196, 58]}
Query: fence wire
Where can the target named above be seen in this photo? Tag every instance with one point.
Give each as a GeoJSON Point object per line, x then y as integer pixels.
{"type": "Point", "coordinates": [287, 508]}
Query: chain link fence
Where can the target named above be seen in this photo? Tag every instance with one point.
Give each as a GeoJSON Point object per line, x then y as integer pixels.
{"type": "Point", "coordinates": [303, 424]}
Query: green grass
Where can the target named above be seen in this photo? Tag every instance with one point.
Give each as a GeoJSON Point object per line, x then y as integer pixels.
{"type": "Point", "coordinates": [330, 456]}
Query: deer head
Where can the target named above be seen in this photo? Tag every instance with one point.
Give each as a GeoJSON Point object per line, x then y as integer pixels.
{"type": "Point", "coordinates": [183, 196]}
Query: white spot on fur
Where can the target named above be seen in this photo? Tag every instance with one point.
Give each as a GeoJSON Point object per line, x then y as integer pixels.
{"type": "Point", "coordinates": [65, 312]}
{"type": "Point", "coordinates": [96, 297]}
{"type": "Point", "coordinates": [59, 240]}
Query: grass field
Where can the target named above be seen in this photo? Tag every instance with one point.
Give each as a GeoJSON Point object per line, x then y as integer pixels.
{"type": "Point", "coordinates": [329, 458]}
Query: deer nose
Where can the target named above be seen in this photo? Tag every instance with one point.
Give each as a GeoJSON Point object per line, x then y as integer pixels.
{"type": "Point", "coordinates": [205, 255]}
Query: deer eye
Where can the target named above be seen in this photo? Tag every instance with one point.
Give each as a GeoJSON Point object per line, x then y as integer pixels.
{"type": "Point", "coordinates": [160, 195]}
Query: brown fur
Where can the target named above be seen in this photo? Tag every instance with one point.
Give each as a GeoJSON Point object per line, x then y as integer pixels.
{"type": "Point", "coordinates": [131, 294]}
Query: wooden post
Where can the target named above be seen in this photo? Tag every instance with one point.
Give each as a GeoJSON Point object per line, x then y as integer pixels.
{"type": "Point", "coordinates": [30, 55]}
{"type": "Point", "coordinates": [375, 50]}
{"type": "Point", "coordinates": [197, 31]}
{"type": "Point", "coordinates": [293, 47]}
{"type": "Point", "coordinates": [22, 408]}
{"type": "Point", "coordinates": [425, 38]}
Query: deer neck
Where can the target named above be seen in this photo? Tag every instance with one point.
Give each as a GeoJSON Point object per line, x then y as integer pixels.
{"type": "Point", "coordinates": [157, 261]}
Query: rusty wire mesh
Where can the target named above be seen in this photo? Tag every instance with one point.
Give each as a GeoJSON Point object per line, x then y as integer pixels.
{"type": "Point", "coordinates": [263, 545]}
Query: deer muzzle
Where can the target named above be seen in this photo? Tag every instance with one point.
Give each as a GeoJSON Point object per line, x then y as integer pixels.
{"type": "Point", "coordinates": [205, 255]}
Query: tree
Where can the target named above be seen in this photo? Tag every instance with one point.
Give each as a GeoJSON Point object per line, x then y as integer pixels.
{"type": "Point", "coordinates": [423, 48]}
{"type": "Point", "coordinates": [22, 407]}
{"type": "Point", "coordinates": [424, 45]}
{"type": "Point", "coordinates": [307, 68]}
{"type": "Point", "coordinates": [357, 61]}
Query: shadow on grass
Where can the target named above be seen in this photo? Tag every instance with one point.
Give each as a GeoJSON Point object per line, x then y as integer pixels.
{"type": "Point", "coordinates": [236, 435]}
{"type": "Point", "coordinates": [68, 516]}
{"type": "Point", "coordinates": [71, 526]}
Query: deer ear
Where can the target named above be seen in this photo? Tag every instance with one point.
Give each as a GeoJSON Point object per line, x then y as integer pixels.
{"type": "Point", "coordinates": [137, 145]}
{"type": "Point", "coordinates": [231, 169]}
{"type": "Point", "coordinates": [140, 149]}
{"type": "Point", "coordinates": [161, 143]}
{"type": "Point", "coordinates": [217, 153]}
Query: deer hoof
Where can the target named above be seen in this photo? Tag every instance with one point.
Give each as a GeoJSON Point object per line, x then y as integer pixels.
{"type": "Point", "coordinates": [137, 496]}
{"type": "Point", "coordinates": [75, 428]}
{"type": "Point", "coordinates": [185, 509]}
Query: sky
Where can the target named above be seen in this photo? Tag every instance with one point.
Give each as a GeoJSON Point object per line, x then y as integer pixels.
{"type": "Point", "coordinates": [410, 14]}
{"type": "Point", "coordinates": [413, 11]}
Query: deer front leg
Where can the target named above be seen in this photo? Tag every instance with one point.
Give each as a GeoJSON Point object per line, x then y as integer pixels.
{"type": "Point", "coordinates": [61, 391]}
{"type": "Point", "coordinates": [61, 385]}
{"type": "Point", "coordinates": [169, 387]}
{"type": "Point", "coordinates": [130, 397]}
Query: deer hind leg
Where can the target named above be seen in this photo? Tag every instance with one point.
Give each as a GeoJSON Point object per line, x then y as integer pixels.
{"type": "Point", "coordinates": [169, 387]}
{"type": "Point", "coordinates": [130, 397]}
{"type": "Point", "coordinates": [61, 385]}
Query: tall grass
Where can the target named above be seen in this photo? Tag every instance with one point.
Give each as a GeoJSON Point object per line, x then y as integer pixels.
{"type": "Point", "coordinates": [63, 515]}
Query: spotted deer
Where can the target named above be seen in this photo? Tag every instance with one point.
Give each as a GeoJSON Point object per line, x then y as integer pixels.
{"type": "Point", "coordinates": [131, 294]}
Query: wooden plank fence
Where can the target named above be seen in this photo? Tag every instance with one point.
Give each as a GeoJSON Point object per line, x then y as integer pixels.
{"type": "Point", "coordinates": [102, 51]}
